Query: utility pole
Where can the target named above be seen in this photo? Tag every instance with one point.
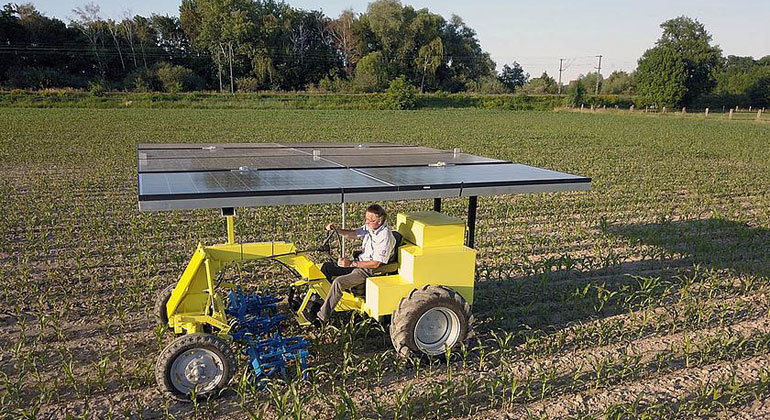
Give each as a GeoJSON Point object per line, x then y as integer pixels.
{"type": "Point", "coordinates": [598, 74]}
{"type": "Point", "coordinates": [561, 60]}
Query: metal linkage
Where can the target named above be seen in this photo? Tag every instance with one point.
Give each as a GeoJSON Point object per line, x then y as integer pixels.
{"type": "Point", "coordinates": [257, 324]}
{"type": "Point", "coordinates": [271, 355]}
{"type": "Point", "coordinates": [248, 306]}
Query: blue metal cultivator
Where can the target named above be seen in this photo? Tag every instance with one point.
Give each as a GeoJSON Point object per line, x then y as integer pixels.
{"type": "Point", "coordinates": [256, 324]}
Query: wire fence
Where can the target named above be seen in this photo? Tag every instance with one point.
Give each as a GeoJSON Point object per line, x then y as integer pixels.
{"type": "Point", "coordinates": [722, 113]}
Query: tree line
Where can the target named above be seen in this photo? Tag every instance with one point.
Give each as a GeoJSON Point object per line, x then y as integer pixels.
{"type": "Point", "coordinates": [242, 45]}
{"type": "Point", "coordinates": [685, 68]}
{"type": "Point", "coordinates": [249, 45]}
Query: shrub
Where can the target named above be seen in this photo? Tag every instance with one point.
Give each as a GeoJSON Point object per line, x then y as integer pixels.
{"type": "Point", "coordinates": [37, 78]}
{"type": "Point", "coordinates": [334, 84]}
{"type": "Point", "coordinates": [140, 80]}
{"type": "Point", "coordinates": [401, 94]}
{"type": "Point", "coordinates": [247, 84]}
{"type": "Point", "coordinates": [576, 94]}
{"type": "Point", "coordinates": [177, 78]}
{"type": "Point", "coordinates": [487, 85]}
{"type": "Point", "coordinates": [98, 87]}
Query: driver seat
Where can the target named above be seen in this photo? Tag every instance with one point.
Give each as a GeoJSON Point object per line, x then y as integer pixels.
{"type": "Point", "coordinates": [383, 270]}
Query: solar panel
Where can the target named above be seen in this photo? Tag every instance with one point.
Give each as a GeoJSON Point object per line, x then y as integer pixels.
{"type": "Point", "coordinates": [191, 190]}
{"type": "Point", "coordinates": [233, 163]}
{"type": "Point", "coordinates": [213, 175]}
{"type": "Point", "coordinates": [344, 145]}
{"type": "Point", "coordinates": [206, 146]}
{"type": "Point", "coordinates": [424, 159]}
{"type": "Point", "coordinates": [368, 151]}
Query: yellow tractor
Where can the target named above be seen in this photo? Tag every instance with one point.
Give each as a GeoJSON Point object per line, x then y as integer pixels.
{"type": "Point", "coordinates": [425, 292]}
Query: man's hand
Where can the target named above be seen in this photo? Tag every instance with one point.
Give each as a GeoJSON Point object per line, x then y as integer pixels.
{"type": "Point", "coordinates": [344, 262]}
{"type": "Point", "coordinates": [331, 226]}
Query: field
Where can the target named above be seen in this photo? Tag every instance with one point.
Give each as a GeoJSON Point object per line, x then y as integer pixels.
{"type": "Point", "coordinates": [644, 298]}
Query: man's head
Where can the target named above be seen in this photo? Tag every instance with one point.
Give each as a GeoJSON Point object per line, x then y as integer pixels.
{"type": "Point", "coordinates": [375, 216]}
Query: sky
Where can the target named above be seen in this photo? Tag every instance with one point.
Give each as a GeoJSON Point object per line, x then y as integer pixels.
{"type": "Point", "coordinates": [536, 34]}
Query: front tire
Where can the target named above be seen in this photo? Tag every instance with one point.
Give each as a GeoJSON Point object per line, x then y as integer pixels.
{"type": "Point", "coordinates": [429, 321]}
{"type": "Point", "coordinates": [198, 362]}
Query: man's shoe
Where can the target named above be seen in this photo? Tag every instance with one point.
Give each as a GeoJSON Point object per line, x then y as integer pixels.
{"type": "Point", "coordinates": [318, 322]}
{"type": "Point", "coordinates": [311, 314]}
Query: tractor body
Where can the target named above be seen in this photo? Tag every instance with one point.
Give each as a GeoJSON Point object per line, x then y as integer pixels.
{"type": "Point", "coordinates": [432, 252]}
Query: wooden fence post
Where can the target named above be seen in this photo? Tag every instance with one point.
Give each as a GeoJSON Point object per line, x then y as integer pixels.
{"type": "Point", "coordinates": [759, 115]}
{"type": "Point", "coordinates": [684, 110]}
{"type": "Point", "coordinates": [730, 117]}
{"type": "Point", "coordinates": [707, 112]}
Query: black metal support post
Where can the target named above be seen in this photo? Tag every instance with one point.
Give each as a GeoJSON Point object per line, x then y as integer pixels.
{"type": "Point", "coordinates": [472, 202]}
{"type": "Point", "coordinates": [437, 204]}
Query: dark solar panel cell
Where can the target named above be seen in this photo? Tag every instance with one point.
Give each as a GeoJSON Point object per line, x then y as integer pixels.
{"type": "Point", "coordinates": [445, 158]}
{"type": "Point", "coordinates": [205, 146]}
{"type": "Point", "coordinates": [232, 163]}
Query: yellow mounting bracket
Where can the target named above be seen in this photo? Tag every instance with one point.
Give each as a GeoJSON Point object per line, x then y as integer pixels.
{"type": "Point", "coordinates": [229, 214]}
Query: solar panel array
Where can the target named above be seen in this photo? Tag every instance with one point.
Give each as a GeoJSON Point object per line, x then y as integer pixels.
{"type": "Point", "coordinates": [214, 175]}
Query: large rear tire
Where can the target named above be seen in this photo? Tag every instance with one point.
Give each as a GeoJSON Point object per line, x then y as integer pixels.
{"type": "Point", "coordinates": [160, 304]}
{"type": "Point", "coordinates": [429, 321]}
{"type": "Point", "coordinates": [198, 362]}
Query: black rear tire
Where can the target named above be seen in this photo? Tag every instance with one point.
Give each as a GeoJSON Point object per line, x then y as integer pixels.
{"type": "Point", "coordinates": [199, 361]}
{"type": "Point", "coordinates": [160, 304]}
{"type": "Point", "coordinates": [447, 323]}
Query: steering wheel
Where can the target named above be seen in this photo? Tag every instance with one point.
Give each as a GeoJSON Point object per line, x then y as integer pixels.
{"type": "Point", "coordinates": [326, 245]}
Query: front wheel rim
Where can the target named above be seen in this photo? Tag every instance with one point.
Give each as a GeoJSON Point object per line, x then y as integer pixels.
{"type": "Point", "coordinates": [437, 330]}
{"type": "Point", "coordinates": [197, 369]}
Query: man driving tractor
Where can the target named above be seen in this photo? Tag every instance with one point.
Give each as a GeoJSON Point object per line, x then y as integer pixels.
{"type": "Point", "coordinates": [377, 248]}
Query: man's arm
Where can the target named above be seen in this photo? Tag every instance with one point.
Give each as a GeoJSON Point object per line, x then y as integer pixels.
{"type": "Point", "coordinates": [346, 262]}
{"type": "Point", "coordinates": [346, 233]}
{"type": "Point", "coordinates": [366, 264]}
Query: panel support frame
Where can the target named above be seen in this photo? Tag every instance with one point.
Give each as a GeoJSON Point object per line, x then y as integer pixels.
{"type": "Point", "coordinates": [472, 204]}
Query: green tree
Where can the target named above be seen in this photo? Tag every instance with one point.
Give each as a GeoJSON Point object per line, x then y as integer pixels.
{"type": "Point", "coordinates": [688, 41]}
{"type": "Point", "coordinates": [371, 73]}
{"type": "Point", "coordinates": [740, 74]}
{"type": "Point", "coordinates": [429, 59]}
{"type": "Point", "coordinates": [223, 27]}
{"type": "Point", "coordinates": [341, 31]}
{"type": "Point", "coordinates": [576, 93]}
{"type": "Point", "coordinates": [513, 76]}
{"type": "Point", "coordinates": [590, 80]}
{"type": "Point", "coordinates": [88, 22]}
{"type": "Point", "coordinates": [619, 83]}
{"type": "Point", "coordinates": [466, 61]}
{"type": "Point", "coordinates": [386, 20]}
{"type": "Point", "coordinates": [661, 77]}
{"type": "Point", "coordinates": [542, 85]}
{"type": "Point", "coordinates": [759, 92]}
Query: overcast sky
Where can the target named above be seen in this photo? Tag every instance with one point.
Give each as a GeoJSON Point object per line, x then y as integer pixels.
{"type": "Point", "coordinates": [537, 33]}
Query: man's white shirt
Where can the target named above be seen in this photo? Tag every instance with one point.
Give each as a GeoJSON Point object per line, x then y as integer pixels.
{"type": "Point", "coordinates": [378, 244]}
